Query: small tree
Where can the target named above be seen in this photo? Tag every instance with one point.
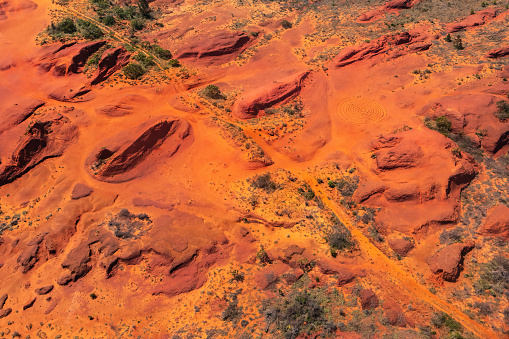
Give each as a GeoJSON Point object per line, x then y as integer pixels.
{"type": "Point", "coordinates": [448, 38]}
{"type": "Point", "coordinates": [458, 43]}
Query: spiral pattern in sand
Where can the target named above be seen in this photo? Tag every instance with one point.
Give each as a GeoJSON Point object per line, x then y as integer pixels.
{"type": "Point", "coordinates": [359, 110]}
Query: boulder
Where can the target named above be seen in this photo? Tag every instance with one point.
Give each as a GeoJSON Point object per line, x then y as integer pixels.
{"type": "Point", "coordinates": [497, 223]}
{"type": "Point", "coordinates": [401, 246]}
{"type": "Point", "coordinates": [368, 299]}
{"type": "Point", "coordinates": [448, 261]}
{"type": "Point", "coordinates": [5, 312]}
{"type": "Point", "coordinates": [3, 299]}
{"type": "Point", "coordinates": [81, 191]}
{"type": "Point", "coordinates": [44, 290]}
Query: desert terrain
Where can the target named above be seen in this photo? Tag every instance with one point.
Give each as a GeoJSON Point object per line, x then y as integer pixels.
{"type": "Point", "coordinates": [254, 169]}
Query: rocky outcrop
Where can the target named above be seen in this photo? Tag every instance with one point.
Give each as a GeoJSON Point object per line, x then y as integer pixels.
{"type": "Point", "coordinates": [343, 274]}
{"type": "Point", "coordinates": [401, 246]}
{"type": "Point", "coordinates": [19, 112]}
{"type": "Point", "coordinates": [381, 45]}
{"type": "Point", "coordinates": [469, 114]}
{"type": "Point", "coordinates": [448, 261]}
{"type": "Point", "coordinates": [128, 150]}
{"type": "Point", "coordinates": [44, 290]}
{"type": "Point", "coordinates": [45, 138]}
{"type": "Point", "coordinates": [390, 6]}
{"type": "Point", "coordinates": [368, 299]}
{"type": "Point", "coordinates": [214, 46]}
{"type": "Point", "coordinates": [68, 58]}
{"type": "Point", "coordinates": [498, 53]}
{"type": "Point", "coordinates": [77, 263]}
{"type": "Point", "coordinates": [81, 191]}
{"type": "Point", "coordinates": [253, 103]}
{"type": "Point", "coordinates": [497, 223]}
{"type": "Point", "coordinates": [112, 60]}
{"type": "Point", "coordinates": [404, 155]}
{"type": "Point", "coordinates": [477, 19]}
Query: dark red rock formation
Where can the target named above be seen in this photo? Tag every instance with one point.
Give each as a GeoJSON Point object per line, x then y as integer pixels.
{"type": "Point", "coordinates": [77, 263]}
{"type": "Point", "coordinates": [448, 261]}
{"type": "Point", "coordinates": [46, 138]}
{"type": "Point", "coordinates": [130, 153]}
{"type": "Point", "coordinates": [29, 304]}
{"type": "Point", "coordinates": [68, 58]}
{"type": "Point", "coordinates": [250, 104]}
{"type": "Point", "coordinates": [477, 19]}
{"type": "Point", "coordinates": [5, 312]}
{"type": "Point", "coordinates": [3, 299]}
{"type": "Point", "coordinates": [413, 42]}
{"type": "Point", "coordinates": [112, 60]}
{"type": "Point", "coordinates": [217, 45]}
{"type": "Point", "coordinates": [498, 52]}
{"type": "Point", "coordinates": [44, 290]}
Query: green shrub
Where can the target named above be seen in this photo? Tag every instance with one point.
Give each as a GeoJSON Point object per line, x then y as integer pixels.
{"type": "Point", "coordinates": [174, 63]}
{"type": "Point", "coordinates": [133, 71]}
{"type": "Point", "coordinates": [94, 59]}
{"type": "Point", "coordinates": [66, 26]}
{"type": "Point", "coordinates": [212, 92]}
{"type": "Point", "coordinates": [503, 110]}
{"type": "Point", "coordinates": [161, 52]}
{"type": "Point", "coordinates": [109, 20]}
{"type": "Point", "coordinates": [146, 61]}
{"type": "Point", "coordinates": [442, 319]}
{"type": "Point", "coordinates": [443, 125]}
{"type": "Point", "coordinates": [89, 30]}
{"type": "Point", "coordinates": [137, 24]}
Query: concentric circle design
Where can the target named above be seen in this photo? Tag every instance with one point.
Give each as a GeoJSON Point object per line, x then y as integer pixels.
{"type": "Point", "coordinates": [359, 110]}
